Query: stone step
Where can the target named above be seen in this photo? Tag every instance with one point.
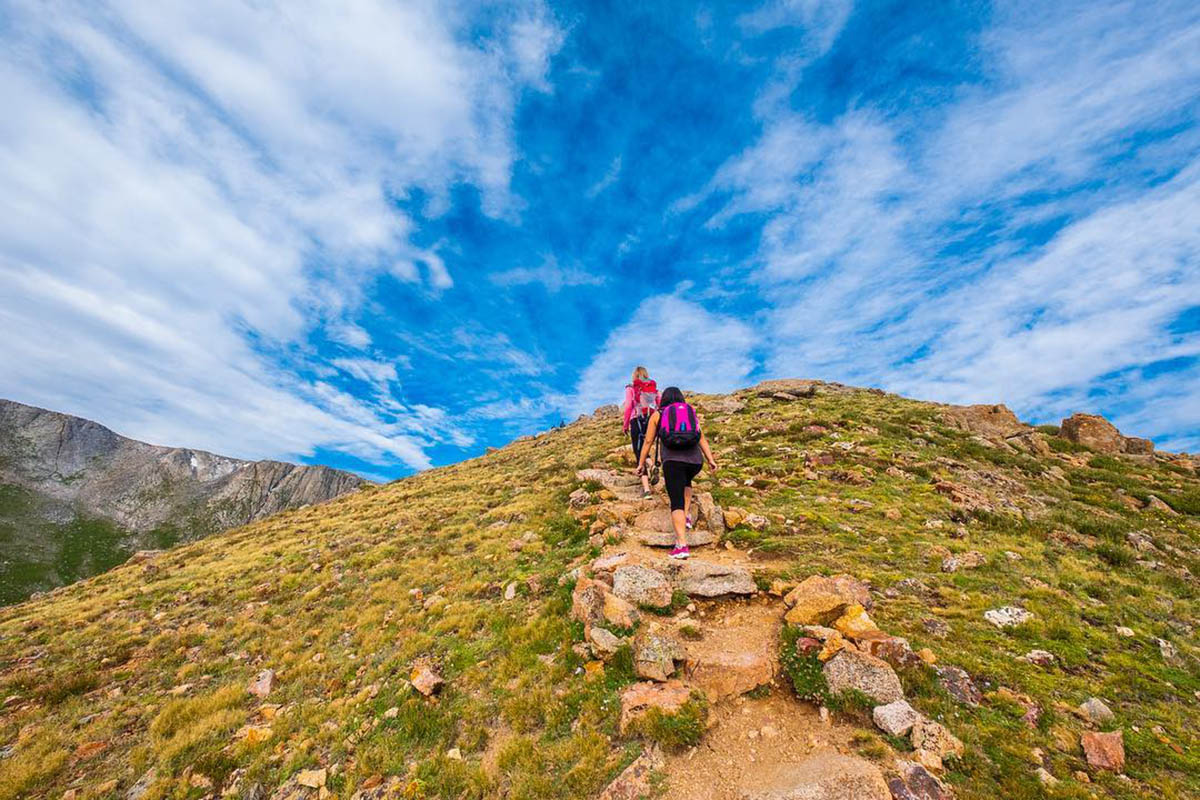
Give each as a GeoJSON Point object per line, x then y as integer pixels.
{"type": "Point", "coordinates": [728, 662]}
{"type": "Point", "coordinates": [664, 539]}
{"type": "Point", "coordinates": [822, 776]}
{"type": "Point", "coordinates": [697, 578]}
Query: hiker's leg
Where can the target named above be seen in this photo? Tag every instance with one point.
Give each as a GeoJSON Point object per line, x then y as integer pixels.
{"type": "Point", "coordinates": [637, 432]}
{"type": "Point", "coordinates": [675, 477]}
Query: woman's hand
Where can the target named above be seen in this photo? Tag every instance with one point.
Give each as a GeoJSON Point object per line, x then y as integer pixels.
{"type": "Point", "coordinates": [712, 464]}
{"type": "Point", "coordinates": [641, 468]}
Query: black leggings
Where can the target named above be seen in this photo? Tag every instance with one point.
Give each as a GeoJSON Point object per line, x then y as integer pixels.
{"type": "Point", "coordinates": [637, 434]}
{"type": "Point", "coordinates": [678, 475]}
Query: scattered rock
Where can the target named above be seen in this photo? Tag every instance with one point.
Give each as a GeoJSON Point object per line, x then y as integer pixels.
{"type": "Point", "coordinates": [1044, 776]}
{"type": "Point", "coordinates": [579, 498]}
{"type": "Point", "coordinates": [655, 654]}
{"type": "Point", "coordinates": [1124, 632]}
{"type": "Point", "coordinates": [1167, 650]}
{"type": "Point", "coordinates": [936, 627]}
{"type": "Point", "coordinates": [757, 522]}
{"type": "Point", "coordinates": [820, 601]}
{"type": "Point", "coordinates": [618, 612]}
{"type": "Point", "coordinates": [1154, 504]}
{"type": "Point", "coordinates": [914, 782]}
{"type": "Point", "coordinates": [873, 677]}
{"type": "Point", "coordinates": [710, 512]}
{"type": "Point", "coordinates": [958, 684]}
{"type": "Point", "coordinates": [604, 642]}
{"type": "Point", "coordinates": [642, 586]}
{"type": "Point", "coordinates": [708, 579]}
{"type": "Point", "coordinates": [139, 789]}
{"type": "Point", "coordinates": [895, 719]}
{"type": "Point", "coordinates": [933, 737]}
{"type": "Point", "coordinates": [1042, 658]}
{"type": "Point", "coordinates": [855, 623]}
{"type": "Point", "coordinates": [639, 698]}
{"type": "Point", "coordinates": [1007, 616]}
{"type": "Point", "coordinates": [1095, 711]}
{"type": "Point", "coordinates": [634, 781]}
{"type": "Point", "coordinates": [969, 560]}
{"type": "Point", "coordinates": [822, 776]}
{"type": "Point", "coordinates": [1104, 750]}
{"type": "Point", "coordinates": [425, 679]}
{"type": "Point", "coordinates": [312, 778]}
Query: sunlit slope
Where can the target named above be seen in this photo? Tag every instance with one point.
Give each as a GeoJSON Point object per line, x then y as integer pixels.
{"type": "Point", "coordinates": [138, 677]}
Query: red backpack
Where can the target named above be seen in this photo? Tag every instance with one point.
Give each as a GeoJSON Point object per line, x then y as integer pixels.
{"type": "Point", "coordinates": [645, 397]}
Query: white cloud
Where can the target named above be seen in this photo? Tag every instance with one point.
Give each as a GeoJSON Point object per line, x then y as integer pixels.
{"type": "Point", "coordinates": [680, 342]}
{"type": "Point", "coordinates": [190, 189]}
{"type": "Point", "coordinates": [864, 214]}
{"type": "Point", "coordinates": [550, 275]}
{"type": "Point", "coordinates": [608, 179]}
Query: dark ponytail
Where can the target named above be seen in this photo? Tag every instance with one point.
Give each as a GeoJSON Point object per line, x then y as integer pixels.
{"type": "Point", "coordinates": [670, 395]}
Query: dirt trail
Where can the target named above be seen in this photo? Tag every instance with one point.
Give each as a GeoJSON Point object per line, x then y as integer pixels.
{"type": "Point", "coordinates": [746, 736]}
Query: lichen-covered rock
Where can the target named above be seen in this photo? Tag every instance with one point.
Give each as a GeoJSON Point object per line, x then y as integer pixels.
{"type": "Point", "coordinates": [851, 669]}
{"type": "Point", "coordinates": [991, 421]}
{"type": "Point", "coordinates": [709, 579]}
{"type": "Point", "coordinates": [914, 782]}
{"type": "Point", "coordinates": [425, 679]}
{"type": "Point", "coordinates": [1007, 616]}
{"type": "Point", "coordinates": [655, 653]}
{"type": "Point", "coordinates": [958, 684]}
{"type": "Point", "coordinates": [634, 781]}
{"type": "Point", "coordinates": [896, 718]}
{"type": "Point", "coordinates": [933, 737]}
{"type": "Point", "coordinates": [1094, 432]}
{"type": "Point", "coordinates": [603, 641]}
{"type": "Point", "coordinates": [642, 586]}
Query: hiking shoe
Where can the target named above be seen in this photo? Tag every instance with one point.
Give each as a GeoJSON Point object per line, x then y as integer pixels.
{"type": "Point", "coordinates": [688, 521]}
{"type": "Point", "coordinates": [647, 494]}
{"type": "Point", "coordinates": [680, 552]}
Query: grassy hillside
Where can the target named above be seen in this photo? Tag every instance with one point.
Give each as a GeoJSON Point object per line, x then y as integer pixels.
{"type": "Point", "coordinates": [143, 671]}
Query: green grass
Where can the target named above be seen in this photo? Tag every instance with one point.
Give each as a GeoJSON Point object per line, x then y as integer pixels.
{"type": "Point", "coordinates": [322, 595]}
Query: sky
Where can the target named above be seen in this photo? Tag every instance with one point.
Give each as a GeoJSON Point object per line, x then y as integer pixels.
{"type": "Point", "coordinates": [384, 235]}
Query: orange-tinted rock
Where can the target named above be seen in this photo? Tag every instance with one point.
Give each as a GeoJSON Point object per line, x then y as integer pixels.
{"type": "Point", "coordinates": [639, 698]}
{"type": "Point", "coordinates": [1104, 750]}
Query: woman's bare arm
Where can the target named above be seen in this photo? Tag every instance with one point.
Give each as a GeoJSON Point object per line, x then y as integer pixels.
{"type": "Point", "coordinates": [704, 448]}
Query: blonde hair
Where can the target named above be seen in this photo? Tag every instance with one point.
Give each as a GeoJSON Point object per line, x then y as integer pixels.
{"type": "Point", "coordinates": [640, 373]}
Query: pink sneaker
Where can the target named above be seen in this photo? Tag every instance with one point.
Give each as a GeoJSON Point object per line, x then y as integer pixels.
{"type": "Point", "coordinates": [680, 552]}
{"type": "Point", "coordinates": [688, 521]}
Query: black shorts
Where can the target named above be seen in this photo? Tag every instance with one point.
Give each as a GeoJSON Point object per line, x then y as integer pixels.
{"type": "Point", "coordinates": [637, 434]}
{"type": "Point", "coordinates": [677, 475]}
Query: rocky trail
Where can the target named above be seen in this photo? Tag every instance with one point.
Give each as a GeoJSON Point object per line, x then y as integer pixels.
{"type": "Point", "coordinates": [704, 634]}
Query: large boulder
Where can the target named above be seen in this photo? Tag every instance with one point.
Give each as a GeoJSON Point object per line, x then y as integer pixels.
{"type": "Point", "coordinates": [709, 579]}
{"type": "Point", "coordinates": [1097, 433]}
{"type": "Point", "coordinates": [990, 421]}
{"type": "Point", "coordinates": [642, 586]}
{"type": "Point", "coordinates": [710, 512]}
{"type": "Point", "coordinates": [821, 776]}
{"type": "Point", "coordinates": [850, 669]}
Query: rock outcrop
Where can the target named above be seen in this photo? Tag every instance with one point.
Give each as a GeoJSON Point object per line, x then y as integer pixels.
{"type": "Point", "coordinates": [1096, 433]}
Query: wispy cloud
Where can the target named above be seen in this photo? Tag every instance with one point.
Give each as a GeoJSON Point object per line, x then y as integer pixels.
{"type": "Point", "coordinates": [188, 188]}
{"type": "Point", "coordinates": [1023, 242]}
{"type": "Point", "coordinates": [550, 274]}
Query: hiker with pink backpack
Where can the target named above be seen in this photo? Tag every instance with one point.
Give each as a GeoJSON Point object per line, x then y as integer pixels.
{"type": "Point", "coordinates": [683, 451]}
{"type": "Point", "coordinates": [641, 400]}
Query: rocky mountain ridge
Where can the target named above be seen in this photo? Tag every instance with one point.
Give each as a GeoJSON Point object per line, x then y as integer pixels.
{"type": "Point", "coordinates": [57, 470]}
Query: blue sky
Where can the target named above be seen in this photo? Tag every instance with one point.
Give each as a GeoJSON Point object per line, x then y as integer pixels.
{"type": "Point", "coordinates": [384, 235]}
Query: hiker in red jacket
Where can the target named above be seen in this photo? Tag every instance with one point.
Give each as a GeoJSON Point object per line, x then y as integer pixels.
{"type": "Point", "coordinates": [684, 451]}
{"type": "Point", "coordinates": [641, 400]}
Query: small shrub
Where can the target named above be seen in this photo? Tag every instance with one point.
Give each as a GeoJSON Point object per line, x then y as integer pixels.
{"type": "Point", "coordinates": [675, 732]}
{"type": "Point", "coordinates": [1118, 555]}
{"type": "Point", "coordinates": [1186, 503]}
{"type": "Point", "coordinates": [803, 670]}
